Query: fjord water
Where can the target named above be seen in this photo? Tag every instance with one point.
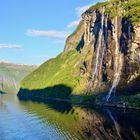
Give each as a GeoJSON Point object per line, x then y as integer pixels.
{"type": "Point", "coordinates": [24, 119]}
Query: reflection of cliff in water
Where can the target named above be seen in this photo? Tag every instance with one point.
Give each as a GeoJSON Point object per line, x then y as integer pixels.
{"type": "Point", "coordinates": [83, 123]}
{"type": "Point", "coordinates": [115, 124]}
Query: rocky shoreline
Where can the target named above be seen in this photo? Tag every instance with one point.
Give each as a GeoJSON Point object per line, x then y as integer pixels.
{"type": "Point", "coordinates": [122, 102]}
{"type": "Point", "coordinates": [120, 105]}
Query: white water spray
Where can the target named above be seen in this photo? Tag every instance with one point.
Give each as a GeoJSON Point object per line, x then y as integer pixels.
{"type": "Point", "coordinates": [95, 72]}
{"type": "Point", "coordinates": [98, 49]}
{"type": "Point", "coordinates": [118, 62]}
{"type": "Point", "coordinates": [105, 45]}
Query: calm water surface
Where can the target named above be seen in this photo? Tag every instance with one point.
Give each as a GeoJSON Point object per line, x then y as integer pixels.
{"type": "Point", "coordinates": [31, 120]}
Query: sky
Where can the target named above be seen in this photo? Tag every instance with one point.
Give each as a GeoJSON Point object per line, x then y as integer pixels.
{"type": "Point", "coordinates": [33, 31]}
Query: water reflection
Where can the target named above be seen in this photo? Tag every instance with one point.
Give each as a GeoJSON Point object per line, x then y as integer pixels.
{"type": "Point", "coordinates": [39, 120]}
{"type": "Point", "coordinates": [56, 105]}
{"type": "Point", "coordinates": [116, 124]}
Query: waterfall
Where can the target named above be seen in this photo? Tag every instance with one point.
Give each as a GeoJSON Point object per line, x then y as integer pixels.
{"type": "Point", "coordinates": [95, 72]}
{"type": "Point", "coordinates": [98, 49]}
{"type": "Point", "coordinates": [118, 62]}
{"type": "Point", "coordinates": [105, 44]}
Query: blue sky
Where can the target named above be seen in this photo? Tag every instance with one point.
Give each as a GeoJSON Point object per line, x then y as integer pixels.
{"type": "Point", "coordinates": [32, 31]}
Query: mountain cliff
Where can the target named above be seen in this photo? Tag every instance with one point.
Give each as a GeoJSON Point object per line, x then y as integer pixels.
{"type": "Point", "coordinates": [102, 56]}
{"type": "Point", "coordinates": [11, 75]}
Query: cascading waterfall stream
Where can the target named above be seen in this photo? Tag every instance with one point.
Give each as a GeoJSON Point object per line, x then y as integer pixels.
{"type": "Point", "coordinates": [95, 72]}
{"type": "Point", "coordinates": [98, 49]}
{"type": "Point", "coordinates": [118, 62]}
{"type": "Point", "coordinates": [105, 44]}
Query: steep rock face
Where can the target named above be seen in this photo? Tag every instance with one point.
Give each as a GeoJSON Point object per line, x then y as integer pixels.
{"type": "Point", "coordinates": [113, 44]}
{"type": "Point", "coordinates": [135, 48]}
{"type": "Point", "coordinates": [76, 39]}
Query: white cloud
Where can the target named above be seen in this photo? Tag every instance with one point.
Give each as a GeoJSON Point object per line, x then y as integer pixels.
{"type": "Point", "coordinates": [4, 61]}
{"type": "Point", "coordinates": [53, 34]}
{"type": "Point", "coordinates": [10, 46]}
{"type": "Point", "coordinates": [74, 23]}
{"type": "Point", "coordinates": [81, 9]}
{"type": "Point", "coordinates": [78, 10]}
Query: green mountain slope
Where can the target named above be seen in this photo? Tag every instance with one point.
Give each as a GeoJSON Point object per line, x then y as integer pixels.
{"type": "Point", "coordinates": [61, 70]}
{"type": "Point", "coordinates": [11, 75]}
{"type": "Point", "coordinates": [101, 56]}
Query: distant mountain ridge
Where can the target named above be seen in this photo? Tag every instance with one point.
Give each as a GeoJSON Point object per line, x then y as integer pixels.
{"type": "Point", "coordinates": [11, 75]}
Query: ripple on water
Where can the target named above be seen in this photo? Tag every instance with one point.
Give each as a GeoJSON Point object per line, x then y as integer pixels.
{"type": "Point", "coordinates": [28, 120]}
{"type": "Point", "coordinates": [17, 123]}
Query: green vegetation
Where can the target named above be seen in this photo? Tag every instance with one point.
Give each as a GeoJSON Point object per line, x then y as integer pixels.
{"type": "Point", "coordinates": [83, 99]}
{"type": "Point", "coordinates": [133, 11]}
{"type": "Point", "coordinates": [98, 5]}
{"type": "Point", "coordinates": [60, 70]}
{"type": "Point", "coordinates": [114, 8]}
{"type": "Point", "coordinates": [131, 101]}
{"type": "Point", "coordinates": [58, 91]}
